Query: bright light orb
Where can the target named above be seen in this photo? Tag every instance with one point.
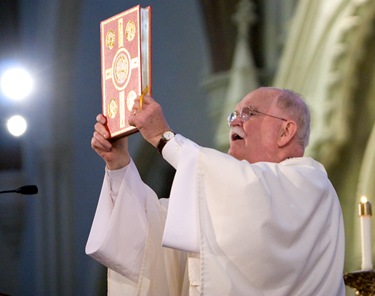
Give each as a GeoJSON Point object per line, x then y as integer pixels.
{"type": "Point", "coordinates": [363, 199]}
{"type": "Point", "coordinates": [16, 125]}
{"type": "Point", "coordinates": [16, 83]}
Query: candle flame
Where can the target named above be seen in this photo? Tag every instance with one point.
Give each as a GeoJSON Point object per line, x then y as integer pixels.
{"type": "Point", "coordinates": [363, 199]}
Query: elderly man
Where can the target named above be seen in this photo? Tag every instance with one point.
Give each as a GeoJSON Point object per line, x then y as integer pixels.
{"type": "Point", "coordinates": [260, 220]}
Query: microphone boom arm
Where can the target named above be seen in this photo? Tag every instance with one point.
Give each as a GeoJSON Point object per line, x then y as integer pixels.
{"type": "Point", "coordinates": [27, 189]}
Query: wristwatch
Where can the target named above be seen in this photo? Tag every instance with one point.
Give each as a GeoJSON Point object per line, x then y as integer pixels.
{"type": "Point", "coordinates": [165, 137]}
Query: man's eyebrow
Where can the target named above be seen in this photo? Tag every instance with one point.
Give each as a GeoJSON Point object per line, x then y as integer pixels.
{"type": "Point", "coordinates": [252, 108]}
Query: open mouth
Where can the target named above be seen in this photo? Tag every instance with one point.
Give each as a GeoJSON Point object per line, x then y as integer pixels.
{"type": "Point", "coordinates": [236, 137]}
{"type": "Point", "coordinates": [236, 134]}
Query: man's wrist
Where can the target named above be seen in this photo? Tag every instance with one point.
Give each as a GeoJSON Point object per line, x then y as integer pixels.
{"type": "Point", "coordinates": [165, 137]}
{"type": "Point", "coordinates": [112, 166]}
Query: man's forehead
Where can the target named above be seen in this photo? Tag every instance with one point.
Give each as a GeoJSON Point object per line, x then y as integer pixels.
{"type": "Point", "coordinates": [258, 98]}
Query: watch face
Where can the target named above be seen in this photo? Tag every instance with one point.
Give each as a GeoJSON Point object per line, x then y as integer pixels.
{"type": "Point", "coordinates": [168, 135]}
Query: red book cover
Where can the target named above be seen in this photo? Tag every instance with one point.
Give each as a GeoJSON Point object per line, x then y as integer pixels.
{"type": "Point", "coordinates": [125, 65]}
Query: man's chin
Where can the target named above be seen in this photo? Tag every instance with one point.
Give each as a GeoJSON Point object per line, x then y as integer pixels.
{"type": "Point", "coordinates": [233, 153]}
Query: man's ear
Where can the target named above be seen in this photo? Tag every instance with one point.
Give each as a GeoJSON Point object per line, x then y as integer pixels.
{"type": "Point", "coordinates": [288, 131]}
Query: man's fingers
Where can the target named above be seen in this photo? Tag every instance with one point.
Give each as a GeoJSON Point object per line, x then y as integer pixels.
{"type": "Point", "coordinates": [102, 130]}
{"type": "Point", "coordinates": [135, 106]}
{"type": "Point", "coordinates": [144, 92]}
{"type": "Point", "coordinates": [147, 100]}
{"type": "Point", "coordinates": [99, 141]}
{"type": "Point", "coordinates": [101, 119]}
{"type": "Point", "coordinates": [140, 102]}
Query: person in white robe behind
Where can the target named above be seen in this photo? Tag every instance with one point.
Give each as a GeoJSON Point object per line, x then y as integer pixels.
{"type": "Point", "coordinates": [260, 220]}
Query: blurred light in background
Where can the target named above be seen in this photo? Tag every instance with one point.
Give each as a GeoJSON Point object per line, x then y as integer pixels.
{"type": "Point", "coordinates": [16, 125]}
{"type": "Point", "coordinates": [16, 83]}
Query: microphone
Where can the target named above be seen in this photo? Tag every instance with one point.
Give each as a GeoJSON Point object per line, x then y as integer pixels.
{"type": "Point", "coordinates": [27, 189]}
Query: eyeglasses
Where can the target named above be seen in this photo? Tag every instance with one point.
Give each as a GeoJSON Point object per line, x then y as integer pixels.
{"type": "Point", "coordinates": [246, 113]}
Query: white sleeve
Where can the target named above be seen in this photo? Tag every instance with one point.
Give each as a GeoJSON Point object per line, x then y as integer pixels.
{"type": "Point", "coordinates": [119, 230]}
{"type": "Point", "coordinates": [182, 223]}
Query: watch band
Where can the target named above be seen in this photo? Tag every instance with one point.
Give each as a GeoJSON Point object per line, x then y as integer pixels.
{"type": "Point", "coordinates": [165, 137]}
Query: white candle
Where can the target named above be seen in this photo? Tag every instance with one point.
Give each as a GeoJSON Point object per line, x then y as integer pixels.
{"type": "Point", "coordinates": [365, 213]}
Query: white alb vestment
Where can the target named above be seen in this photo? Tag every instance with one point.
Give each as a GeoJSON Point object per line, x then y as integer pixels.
{"type": "Point", "coordinates": [231, 228]}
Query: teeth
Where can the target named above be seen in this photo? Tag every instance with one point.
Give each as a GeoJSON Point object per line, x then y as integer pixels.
{"type": "Point", "coordinates": [237, 133]}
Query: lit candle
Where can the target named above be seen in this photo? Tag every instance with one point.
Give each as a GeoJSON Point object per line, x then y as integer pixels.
{"type": "Point", "coordinates": [364, 208]}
